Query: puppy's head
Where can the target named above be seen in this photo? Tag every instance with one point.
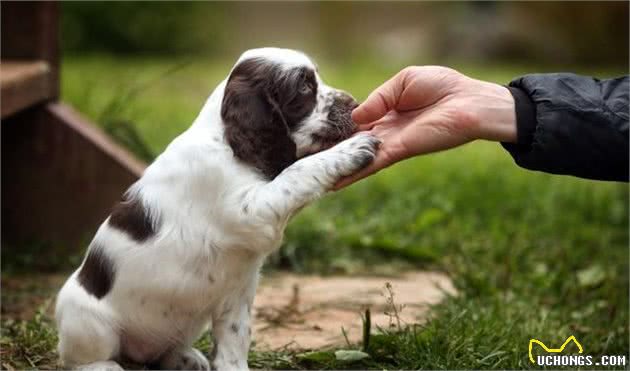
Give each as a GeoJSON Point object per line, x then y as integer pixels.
{"type": "Point", "coordinates": [277, 109]}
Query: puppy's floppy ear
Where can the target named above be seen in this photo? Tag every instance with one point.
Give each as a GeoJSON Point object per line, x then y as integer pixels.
{"type": "Point", "coordinates": [254, 124]}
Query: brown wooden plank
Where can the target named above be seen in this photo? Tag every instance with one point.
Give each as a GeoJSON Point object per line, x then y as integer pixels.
{"type": "Point", "coordinates": [97, 137]}
{"type": "Point", "coordinates": [30, 31]}
{"type": "Point", "coordinates": [60, 177]}
{"type": "Point", "coordinates": [23, 84]}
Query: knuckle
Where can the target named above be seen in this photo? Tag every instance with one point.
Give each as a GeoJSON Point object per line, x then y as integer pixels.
{"type": "Point", "coordinates": [409, 70]}
{"type": "Point", "coordinates": [384, 100]}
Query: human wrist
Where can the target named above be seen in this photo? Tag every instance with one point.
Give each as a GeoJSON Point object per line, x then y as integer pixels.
{"type": "Point", "coordinates": [497, 116]}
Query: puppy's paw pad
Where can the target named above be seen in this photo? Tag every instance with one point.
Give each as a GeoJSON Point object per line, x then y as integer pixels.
{"type": "Point", "coordinates": [361, 150]}
{"type": "Point", "coordinates": [362, 160]}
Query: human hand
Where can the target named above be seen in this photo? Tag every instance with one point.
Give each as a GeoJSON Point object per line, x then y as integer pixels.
{"type": "Point", "coordinates": [431, 108]}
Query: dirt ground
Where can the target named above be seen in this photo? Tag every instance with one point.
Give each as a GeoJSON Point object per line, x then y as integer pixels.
{"type": "Point", "coordinates": [309, 312]}
{"type": "Point", "coordinates": [291, 311]}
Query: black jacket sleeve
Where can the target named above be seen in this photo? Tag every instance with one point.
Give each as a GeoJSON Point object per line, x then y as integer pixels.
{"type": "Point", "coordinates": [570, 124]}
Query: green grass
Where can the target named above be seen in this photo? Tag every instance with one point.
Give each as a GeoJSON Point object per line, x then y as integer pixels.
{"type": "Point", "coordinates": [532, 255]}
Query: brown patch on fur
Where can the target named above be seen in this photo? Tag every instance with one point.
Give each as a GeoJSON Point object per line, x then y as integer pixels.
{"type": "Point", "coordinates": [130, 216]}
{"type": "Point", "coordinates": [97, 272]}
{"type": "Point", "coordinates": [261, 105]}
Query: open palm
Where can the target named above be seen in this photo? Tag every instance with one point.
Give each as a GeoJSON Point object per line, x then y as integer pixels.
{"type": "Point", "coordinates": [428, 109]}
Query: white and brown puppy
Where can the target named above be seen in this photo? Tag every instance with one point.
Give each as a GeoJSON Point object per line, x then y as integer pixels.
{"type": "Point", "coordinates": [183, 248]}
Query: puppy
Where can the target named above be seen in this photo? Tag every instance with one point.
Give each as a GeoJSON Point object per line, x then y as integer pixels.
{"type": "Point", "coordinates": [183, 248]}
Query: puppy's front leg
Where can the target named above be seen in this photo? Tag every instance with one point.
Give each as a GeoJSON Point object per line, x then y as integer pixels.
{"type": "Point", "coordinates": [312, 176]}
{"type": "Point", "coordinates": [231, 332]}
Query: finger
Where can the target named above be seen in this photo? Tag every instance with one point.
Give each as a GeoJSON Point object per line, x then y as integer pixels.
{"type": "Point", "coordinates": [364, 127]}
{"type": "Point", "coordinates": [391, 118]}
{"type": "Point", "coordinates": [382, 100]}
{"type": "Point", "coordinates": [369, 126]}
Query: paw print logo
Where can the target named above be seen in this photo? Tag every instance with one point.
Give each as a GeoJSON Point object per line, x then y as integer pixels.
{"type": "Point", "coordinates": [553, 350]}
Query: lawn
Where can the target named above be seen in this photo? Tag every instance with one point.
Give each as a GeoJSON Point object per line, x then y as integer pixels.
{"type": "Point", "coordinates": [532, 255]}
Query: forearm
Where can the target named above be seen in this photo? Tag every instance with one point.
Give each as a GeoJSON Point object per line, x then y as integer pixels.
{"type": "Point", "coordinates": [569, 124]}
{"type": "Point", "coordinates": [313, 176]}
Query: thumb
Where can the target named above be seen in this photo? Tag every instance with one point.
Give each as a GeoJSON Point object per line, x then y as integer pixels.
{"type": "Point", "coordinates": [382, 100]}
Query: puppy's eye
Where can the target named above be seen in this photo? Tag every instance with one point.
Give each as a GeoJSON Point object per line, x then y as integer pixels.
{"type": "Point", "coordinates": [306, 88]}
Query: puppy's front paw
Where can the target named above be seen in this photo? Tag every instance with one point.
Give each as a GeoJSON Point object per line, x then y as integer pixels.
{"type": "Point", "coordinates": [101, 366]}
{"type": "Point", "coordinates": [356, 153]}
{"type": "Point", "coordinates": [190, 359]}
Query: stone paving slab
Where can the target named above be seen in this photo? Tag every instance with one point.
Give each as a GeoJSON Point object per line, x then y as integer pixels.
{"type": "Point", "coordinates": [308, 312]}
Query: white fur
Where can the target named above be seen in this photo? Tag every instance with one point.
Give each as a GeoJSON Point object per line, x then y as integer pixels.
{"type": "Point", "coordinates": [218, 220]}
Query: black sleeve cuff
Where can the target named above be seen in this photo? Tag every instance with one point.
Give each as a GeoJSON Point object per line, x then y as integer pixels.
{"type": "Point", "coordinates": [525, 117]}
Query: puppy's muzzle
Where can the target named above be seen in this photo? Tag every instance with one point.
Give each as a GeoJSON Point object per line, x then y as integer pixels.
{"type": "Point", "coordinates": [339, 124]}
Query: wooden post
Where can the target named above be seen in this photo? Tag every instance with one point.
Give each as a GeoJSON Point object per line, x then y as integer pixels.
{"type": "Point", "coordinates": [30, 31]}
{"type": "Point", "coordinates": [60, 173]}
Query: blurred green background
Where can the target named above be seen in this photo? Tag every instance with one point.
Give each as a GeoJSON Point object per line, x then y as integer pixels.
{"type": "Point", "coordinates": [544, 32]}
{"type": "Point", "coordinates": [158, 62]}
{"type": "Point", "coordinates": [532, 254]}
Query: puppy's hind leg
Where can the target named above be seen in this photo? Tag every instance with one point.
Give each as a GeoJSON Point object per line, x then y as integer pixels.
{"type": "Point", "coordinates": [87, 340]}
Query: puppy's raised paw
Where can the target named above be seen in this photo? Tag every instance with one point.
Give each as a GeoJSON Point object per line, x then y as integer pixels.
{"type": "Point", "coordinates": [356, 153]}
